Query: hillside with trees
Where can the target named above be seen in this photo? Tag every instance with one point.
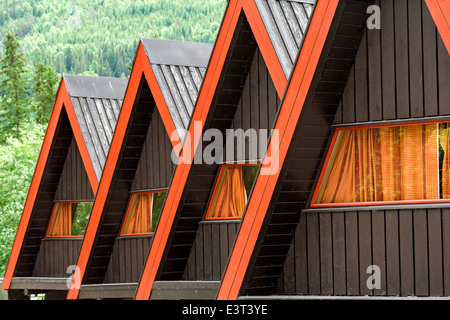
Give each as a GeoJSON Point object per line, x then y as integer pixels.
{"type": "Point", "coordinates": [99, 37]}
{"type": "Point", "coordinates": [41, 39]}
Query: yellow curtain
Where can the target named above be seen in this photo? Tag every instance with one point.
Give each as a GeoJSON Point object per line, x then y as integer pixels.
{"type": "Point", "coordinates": [140, 215]}
{"type": "Point", "coordinates": [444, 139]}
{"type": "Point", "coordinates": [384, 164]}
{"type": "Point", "coordinates": [62, 220]}
{"type": "Point", "coordinates": [229, 201]}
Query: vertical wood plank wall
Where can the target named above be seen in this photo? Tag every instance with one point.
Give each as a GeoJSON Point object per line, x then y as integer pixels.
{"type": "Point", "coordinates": [257, 108]}
{"type": "Point", "coordinates": [155, 166]}
{"type": "Point", "coordinates": [400, 72]}
{"type": "Point", "coordinates": [127, 259]}
{"type": "Point", "coordinates": [332, 251]}
{"type": "Point", "coordinates": [55, 255]}
{"type": "Point", "coordinates": [211, 250]}
{"type": "Point", "coordinates": [74, 184]}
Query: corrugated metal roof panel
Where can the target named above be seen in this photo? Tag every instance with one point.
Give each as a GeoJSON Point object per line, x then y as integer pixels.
{"type": "Point", "coordinates": [179, 68]}
{"type": "Point", "coordinates": [180, 87]}
{"type": "Point", "coordinates": [97, 102]}
{"type": "Point", "coordinates": [286, 22]}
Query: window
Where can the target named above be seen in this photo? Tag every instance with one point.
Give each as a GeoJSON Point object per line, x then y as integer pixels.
{"type": "Point", "coordinates": [385, 164]}
{"type": "Point", "coordinates": [69, 219]}
{"type": "Point", "coordinates": [231, 191]}
{"type": "Point", "coordinates": [143, 213]}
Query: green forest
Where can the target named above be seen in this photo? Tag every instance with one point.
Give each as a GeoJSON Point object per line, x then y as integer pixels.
{"type": "Point", "coordinates": [41, 39]}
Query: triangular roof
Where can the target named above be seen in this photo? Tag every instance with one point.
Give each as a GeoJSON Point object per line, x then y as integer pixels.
{"type": "Point", "coordinates": [254, 264]}
{"type": "Point", "coordinates": [96, 102]}
{"type": "Point", "coordinates": [179, 68]}
{"type": "Point", "coordinates": [86, 108]}
{"type": "Point", "coordinates": [174, 72]}
{"type": "Point", "coordinates": [276, 28]}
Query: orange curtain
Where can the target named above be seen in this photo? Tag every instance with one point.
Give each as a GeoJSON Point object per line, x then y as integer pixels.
{"type": "Point", "coordinates": [419, 162]}
{"type": "Point", "coordinates": [140, 215]}
{"type": "Point", "coordinates": [444, 139]}
{"type": "Point", "coordinates": [230, 198]}
{"type": "Point", "coordinates": [384, 164]}
{"type": "Point", "coordinates": [62, 220]}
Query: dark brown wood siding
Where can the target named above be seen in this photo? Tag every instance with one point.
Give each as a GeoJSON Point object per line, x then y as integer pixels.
{"type": "Point", "coordinates": [127, 259]}
{"type": "Point", "coordinates": [257, 108]}
{"type": "Point", "coordinates": [332, 251]}
{"type": "Point", "coordinates": [401, 71]}
{"type": "Point", "coordinates": [306, 149]}
{"type": "Point", "coordinates": [55, 256]}
{"type": "Point", "coordinates": [211, 250]}
{"type": "Point", "coordinates": [242, 60]}
{"type": "Point", "coordinates": [74, 184]}
{"type": "Point", "coordinates": [155, 167]}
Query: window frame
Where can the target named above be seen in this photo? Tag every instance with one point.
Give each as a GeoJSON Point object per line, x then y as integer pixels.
{"type": "Point", "coordinates": [216, 185]}
{"type": "Point", "coordinates": [130, 202]}
{"type": "Point", "coordinates": [55, 204]}
{"type": "Point", "coordinates": [331, 149]}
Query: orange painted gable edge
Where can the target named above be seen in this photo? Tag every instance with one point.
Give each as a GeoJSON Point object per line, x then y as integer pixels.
{"type": "Point", "coordinates": [141, 68]}
{"type": "Point", "coordinates": [62, 101]}
{"type": "Point", "coordinates": [290, 111]}
{"type": "Point", "coordinates": [213, 73]}
{"type": "Point", "coordinates": [440, 11]}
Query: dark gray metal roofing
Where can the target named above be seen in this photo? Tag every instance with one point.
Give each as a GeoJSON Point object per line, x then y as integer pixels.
{"type": "Point", "coordinates": [179, 68]}
{"type": "Point", "coordinates": [97, 102]}
{"type": "Point", "coordinates": [95, 87]}
{"type": "Point", "coordinates": [178, 53]}
{"type": "Point", "coordinates": [286, 22]}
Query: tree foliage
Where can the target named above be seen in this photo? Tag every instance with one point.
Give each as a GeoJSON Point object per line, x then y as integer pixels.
{"type": "Point", "coordinates": [99, 37]}
{"type": "Point", "coordinates": [14, 103]}
{"type": "Point", "coordinates": [17, 163]}
{"type": "Point", "coordinates": [45, 80]}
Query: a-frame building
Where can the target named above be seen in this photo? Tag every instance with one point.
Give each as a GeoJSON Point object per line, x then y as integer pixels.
{"type": "Point", "coordinates": [66, 179]}
{"type": "Point", "coordinates": [250, 65]}
{"type": "Point", "coordinates": [158, 104]}
{"type": "Point", "coordinates": [349, 80]}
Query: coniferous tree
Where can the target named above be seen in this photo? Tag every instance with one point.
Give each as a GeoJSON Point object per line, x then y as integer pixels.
{"type": "Point", "coordinates": [44, 90]}
{"type": "Point", "coordinates": [15, 104]}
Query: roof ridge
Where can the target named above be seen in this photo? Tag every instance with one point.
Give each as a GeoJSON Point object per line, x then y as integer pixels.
{"type": "Point", "coordinates": [95, 86]}
{"type": "Point", "coordinates": [175, 52]}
